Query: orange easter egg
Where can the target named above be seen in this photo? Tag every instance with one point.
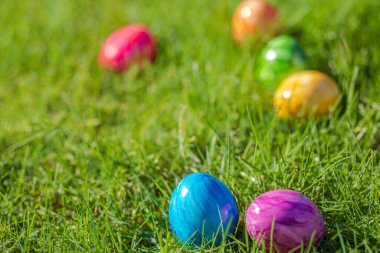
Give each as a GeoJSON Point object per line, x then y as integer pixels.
{"type": "Point", "coordinates": [254, 18]}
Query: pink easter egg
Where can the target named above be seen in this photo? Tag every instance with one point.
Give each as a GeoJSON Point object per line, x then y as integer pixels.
{"type": "Point", "coordinates": [127, 46]}
{"type": "Point", "coordinates": [292, 218]}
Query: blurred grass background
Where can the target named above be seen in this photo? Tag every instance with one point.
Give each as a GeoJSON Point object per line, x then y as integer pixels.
{"type": "Point", "coordinates": [88, 159]}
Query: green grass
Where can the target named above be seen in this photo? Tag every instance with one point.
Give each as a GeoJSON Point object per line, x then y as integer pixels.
{"type": "Point", "coordinates": [88, 159]}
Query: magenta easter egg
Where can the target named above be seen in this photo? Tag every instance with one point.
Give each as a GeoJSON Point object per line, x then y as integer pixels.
{"type": "Point", "coordinates": [296, 221]}
{"type": "Point", "coordinates": [127, 46]}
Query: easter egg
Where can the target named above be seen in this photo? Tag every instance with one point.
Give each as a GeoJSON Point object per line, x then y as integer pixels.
{"type": "Point", "coordinates": [306, 93]}
{"type": "Point", "coordinates": [127, 46]}
{"type": "Point", "coordinates": [279, 58]}
{"type": "Point", "coordinates": [253, 19]}
{"type": "Point", "coordinates": [202, 210]}
{"type": "Point", "coordinates": [287, 216]}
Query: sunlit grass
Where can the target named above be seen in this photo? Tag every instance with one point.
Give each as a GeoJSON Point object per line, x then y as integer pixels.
{"type": "Point", "coordinates": [88, 159]}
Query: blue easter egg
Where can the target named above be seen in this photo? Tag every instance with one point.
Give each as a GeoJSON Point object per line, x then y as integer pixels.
{"type": "Point", "coordinates": [202, 209]}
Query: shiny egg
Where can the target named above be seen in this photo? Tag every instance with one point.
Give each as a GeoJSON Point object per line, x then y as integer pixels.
{"type": "Point", "coordinates": [306, 93]}
{"type": "Point", "coordinates": [127, 46]}
{"type": "Point", "coordinates": [202, 211]}
{"type": "Point", "coordinates": [280, 57]}
{"type": "Point", "coordinates": [284, 221]}
{"type": "Point", "coordinates": [253, 19]}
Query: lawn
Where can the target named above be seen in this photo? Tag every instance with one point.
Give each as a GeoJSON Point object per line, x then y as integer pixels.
{"type": "Point", "coordinates": [89, 158]}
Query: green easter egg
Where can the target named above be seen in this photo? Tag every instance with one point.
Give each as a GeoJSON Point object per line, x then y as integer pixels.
{"type": "Point", "coordinates": [279, 58]}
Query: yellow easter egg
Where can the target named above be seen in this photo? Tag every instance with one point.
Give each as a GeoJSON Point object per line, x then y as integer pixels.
{"type": "Point", "coordinates": [306, 93]}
